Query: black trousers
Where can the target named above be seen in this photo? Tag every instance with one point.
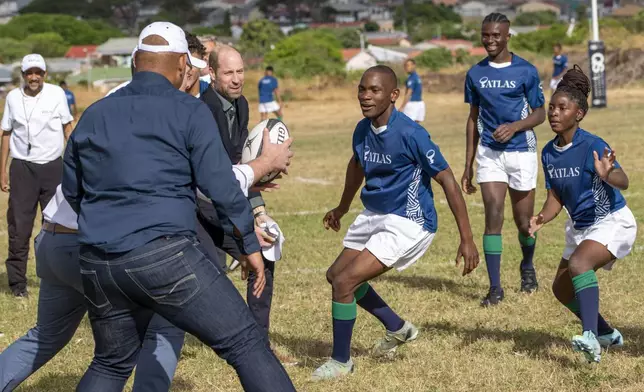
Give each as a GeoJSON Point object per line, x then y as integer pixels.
{"type": "Point", "coordinates": [216, 243]}
{"type": "Point", "coordinates": [31, 184]}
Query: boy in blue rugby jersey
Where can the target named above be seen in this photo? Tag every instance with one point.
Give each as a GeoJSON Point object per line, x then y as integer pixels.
{"type": "Point", "coordinates": [559, 66]}
{"type": "Point", "coordinates": [412, 104]}
{"type": "Point", "coordinates": [583, 177]}
{"type": "Point", "coordinates": [397, 159]}
{"type": "Point", "coordinates": [501, 90]}
{"type": "Point", "coordinates": [270, 100]}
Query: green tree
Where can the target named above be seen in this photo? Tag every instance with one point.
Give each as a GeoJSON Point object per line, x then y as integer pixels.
{"type": "Point", "coordinates": [542, 41]}
{"type": "Point", "coordinates": [73, 31]}
{"type": "Point", "coordinates": [423, 13]}
{"type": "Point", "coordinates": [258, 37]}
{"type": "Point", "coordinates": [348, 38]}
{"type": "Point", "coordinates": [307, 54]}
{"type": "Point", "coordinates": [13, 49]}
{"type": "Point", "coordinates": [435, 59]}
{"type": "Point", "coordinates": [48, 44]}
{"type": "Point", "coordinates": [371, 26]}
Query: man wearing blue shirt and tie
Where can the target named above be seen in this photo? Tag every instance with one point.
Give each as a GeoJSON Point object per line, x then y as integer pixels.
{"type": "Point", "coordinates": [131, 169]}
{"type": "Point", "coordinates": [269, 95]}
{"type": "Point", "coordinates": [412, 104]}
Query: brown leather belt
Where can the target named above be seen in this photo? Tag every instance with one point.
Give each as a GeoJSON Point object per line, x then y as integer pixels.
{"type": "Point", "coordinates": [58, 229]}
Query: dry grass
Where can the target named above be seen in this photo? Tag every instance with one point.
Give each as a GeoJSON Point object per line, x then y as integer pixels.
{"type": "Point", "coordinates": [523, 345]}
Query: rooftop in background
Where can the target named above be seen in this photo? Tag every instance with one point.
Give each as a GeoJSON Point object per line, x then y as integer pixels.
{"type": "Point", "coordinates": [81, 51]}
{"type": "Point", "coordinates": [627, 11]}
{"type": "Point", "coordinates": [118, 46]}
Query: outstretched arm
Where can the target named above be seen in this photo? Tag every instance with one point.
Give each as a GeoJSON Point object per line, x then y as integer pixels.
{"type": "Point", "coordinates": [467, 249]}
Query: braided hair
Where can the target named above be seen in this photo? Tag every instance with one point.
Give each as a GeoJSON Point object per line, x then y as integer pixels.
{"type": "Point", "coordinates": [496, 17]}
{"type": "Point", "coordinates": [576, 85]}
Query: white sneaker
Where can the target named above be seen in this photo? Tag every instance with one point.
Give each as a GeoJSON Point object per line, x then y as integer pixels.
{"type": "Point", "coordinates": [614, 339]}
{"type": "Point", "coordinates": [389, 344]}
{"type": "Point", "coordinates": [332, 369]}
{"type": "Point", "coordinates": [588, 345]}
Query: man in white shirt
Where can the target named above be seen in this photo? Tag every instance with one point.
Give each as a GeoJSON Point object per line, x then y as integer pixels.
{"type": "Point", "coordinates": [35, 125]}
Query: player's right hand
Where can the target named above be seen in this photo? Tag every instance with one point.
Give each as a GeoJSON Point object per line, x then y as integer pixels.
{"type": "Point", "coordinates": [4, 182]}
{"type": "Point", "coordinates": [466, 182]}
{"type": "Point", "coordinates": [332, 219]}
{"type": "Point", "coordinates": [256, 263]}
{"type": "Point", "coordinates": [277, 156]}
{"type": "Point", "coordinates": [536, 223]}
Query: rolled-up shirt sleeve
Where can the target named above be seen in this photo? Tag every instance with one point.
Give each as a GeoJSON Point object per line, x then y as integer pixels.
{"type": "Point", "coordinates": [217, 180]}
{"type": "Point", "coordinates": [244, 174]}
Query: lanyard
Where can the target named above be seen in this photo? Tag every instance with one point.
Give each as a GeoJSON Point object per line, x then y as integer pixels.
{"type": "Point", "coordinates": [24, 108]}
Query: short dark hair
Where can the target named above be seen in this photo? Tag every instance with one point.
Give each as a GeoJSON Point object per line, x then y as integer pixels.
{"type": "Point", "coordinates": [269, 68]}
{"type": "Point", "coordinates": [62, 83]}
{"type": "Point", "coordinates": [557, 45]}
{"type": "Point", "coordinates": [496, 17]}
{"type": "Point", "coordinates": [410, 61]}
{"type": "Point", "coordinates": [576, 85]}
{"type": "Point", "coordinates": [384, 70]}
{"type": "Point", "coordinates": [195, 46]}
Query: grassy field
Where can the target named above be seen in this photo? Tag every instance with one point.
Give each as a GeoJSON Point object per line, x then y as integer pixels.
{"type": "Point", "coordinates": [522, 345]}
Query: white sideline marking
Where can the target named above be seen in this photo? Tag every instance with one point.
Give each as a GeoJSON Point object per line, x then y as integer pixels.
{"type": "Point", "coordinates": [317, 181]}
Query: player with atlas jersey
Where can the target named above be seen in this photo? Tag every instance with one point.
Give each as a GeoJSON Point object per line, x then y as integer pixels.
{"type": "Point", "coordinates": [412, 104]}
{"type": "Point", "coordinates": [506, 104]}
{"type": "Point", "coordinates": [268, 91]}
{"type": "Point", "coordinates": [397, 159]}
{"type": "Point", "coordinates": [584, 178]}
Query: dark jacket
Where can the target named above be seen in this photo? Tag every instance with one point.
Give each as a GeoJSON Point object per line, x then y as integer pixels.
{"type": "Point", "coordinates": [233, 146]}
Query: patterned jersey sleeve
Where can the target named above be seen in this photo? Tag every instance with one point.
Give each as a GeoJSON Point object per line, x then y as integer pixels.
{"type": "Point", "coordinates": [534, 89]}
{"type": "Point", "coordinates": [471, 96]}
{"type": "Point", "coordinates": [426, 153]}
{"type": "Point", "coordinates": [544, 164]}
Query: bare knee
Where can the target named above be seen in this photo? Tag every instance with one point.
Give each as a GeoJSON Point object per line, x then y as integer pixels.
{"type": "Point", "coordinates": [493, 219]}
{"type": "Point", "coordinates": [343, 286]}
{"type": "Point", "coordinates": [329, 275]}
{"type": "Point", "coordinates": [576, 265]}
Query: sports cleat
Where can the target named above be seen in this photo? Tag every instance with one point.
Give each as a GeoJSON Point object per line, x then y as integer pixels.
{"type": "Point", "coordinates": [529, 282]}
{"type": "Point", "coordinates": [608, 340]}
{"type": "Point", "coordinates": [588, 345]}
{"type": "Point", "coordinates": [493, 297]}
{"type": "Point", "coordinates": [332, 369]}
{"type": "Point", "coordinates": [388, 345]}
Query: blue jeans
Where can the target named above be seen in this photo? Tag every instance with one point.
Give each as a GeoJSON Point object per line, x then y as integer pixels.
{"type": "Point", "coordinates": [61, 307]}
{"type": "Point", "coordinates": [172, 277]}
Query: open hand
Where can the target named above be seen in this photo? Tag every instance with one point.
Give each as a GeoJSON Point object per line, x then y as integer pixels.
{"type": "Point", "coordinates": [470, 255]}
{"type": "Point", "coordinates": [605, 165]}
{"type": "Point", "coordinates": [536, 223]}
{"type": "Point", "coordinates": [256, 263]}
{"type": "Point", "coordinates": [504, 133]}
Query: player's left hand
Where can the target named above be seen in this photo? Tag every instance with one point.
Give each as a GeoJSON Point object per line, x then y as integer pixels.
{"type": "Point", "coordinates": [504, 133]}
{"type": "Point", "coordinates": [467, 250]}
{"type": "Point", "coordinates": [605, 165]}
{"type": "Point", "coordinates": [265, 239]}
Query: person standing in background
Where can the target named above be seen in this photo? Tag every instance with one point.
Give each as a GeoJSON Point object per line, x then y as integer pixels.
{"type": "Point", "coordinates": [71, 99]}
{"type": "Point", "coordinates": [559, 66]}
{"type": "Point", "coordinates": [35, 125]}
{"type": "Point", "coordinates": [413, 105]}
{"type": "Point", "coordinates": [269, 93]}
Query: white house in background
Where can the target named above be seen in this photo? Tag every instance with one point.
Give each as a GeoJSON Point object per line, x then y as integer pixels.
{"type": "Point", "coordinates": [361, 61]}
{"type": "Point", "coordinates": [385, 55]}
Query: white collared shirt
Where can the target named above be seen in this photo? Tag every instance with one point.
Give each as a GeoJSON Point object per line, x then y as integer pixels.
{"type": "Point", "coordinates": [58, 211]}
{"type": "Point", "coordinates": [37, 121]}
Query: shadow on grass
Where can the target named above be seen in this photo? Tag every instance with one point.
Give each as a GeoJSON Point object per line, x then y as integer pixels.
{"type": "Point", "coordinates": [313, 349]}
{"type": "Point", "coordinates": [434, 284]}
{"type": "Point", "coordinates": [633, 341]}
{"type": "Point", "coordinates": [53, 383]}
{"type": "Point", "coordinates": [533, 343]}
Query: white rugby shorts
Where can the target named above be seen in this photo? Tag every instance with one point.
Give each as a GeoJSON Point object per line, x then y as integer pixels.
{"type": "Point", "coordinates": [396, 242]}
{"type": "Point", "coordinates": [415, 110]}
{"type": "Point", "coordinates": [269, 107]}
{"type": "Point", "coordinates": [518, 169]}
{"type": "Point", "coordinates": [617, 232]}
{"type": "Point", "coordinates": [554, 83]}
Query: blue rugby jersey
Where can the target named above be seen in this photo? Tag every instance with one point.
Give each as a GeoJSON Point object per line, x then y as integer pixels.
{"type": "Point", "coordinates": [416, 86]}
{"type": "Point", "coordinates": [570, 173]}
{"type": "Point", "coordinates": [559, 63]}
{"type": "Point", "coordinates": [266, 86]}
{"type": "Point", "coordinates": [504, 95]}
{"type": "Point", "coordinates": [399, 163]}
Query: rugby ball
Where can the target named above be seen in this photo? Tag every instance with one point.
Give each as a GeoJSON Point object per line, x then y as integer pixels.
{"type": "Point", "coordinates": [278, 134]}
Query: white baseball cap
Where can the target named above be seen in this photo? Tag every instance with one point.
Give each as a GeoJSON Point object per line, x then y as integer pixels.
{"type": "Point", "coordinates": [33, 60]}
{"type": "Point", "coordinates": [175, 37]}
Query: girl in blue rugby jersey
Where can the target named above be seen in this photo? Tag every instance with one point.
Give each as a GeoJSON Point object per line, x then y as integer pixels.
{"type": "Point", "coordinates": [583, 176]}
